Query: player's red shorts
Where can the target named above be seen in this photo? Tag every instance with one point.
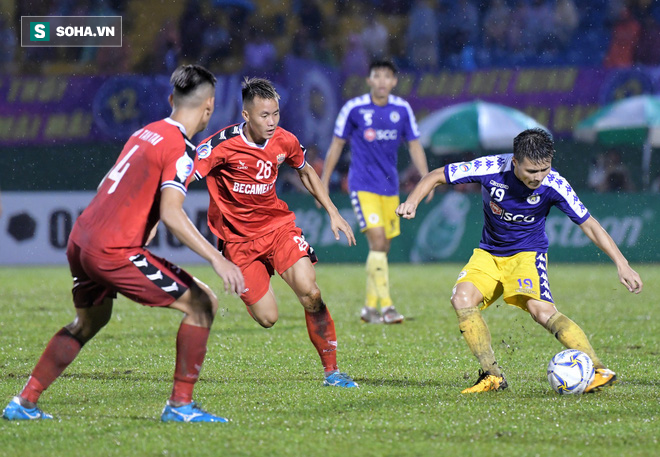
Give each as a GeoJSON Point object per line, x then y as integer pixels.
{"type": "Point", "coordinates": [258, 259]}
{"type": "Point", "coordinates": [136, 273]}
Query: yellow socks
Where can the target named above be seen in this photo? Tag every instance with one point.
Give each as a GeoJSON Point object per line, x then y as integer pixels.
{"type": "Point", "coordinates": [477, 336]}
{"type": "Point", "coordinates": [571, 335]}
{"type": "Point", "coordinates": [378, 283]}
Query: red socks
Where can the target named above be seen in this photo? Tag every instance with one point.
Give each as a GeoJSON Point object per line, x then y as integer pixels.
{"type": "Point", "coordinates": [62, 349]}
{"type": "Point", "coordinates": [321, 330]}
{"type": "Point", "coordinates": [190, 352]}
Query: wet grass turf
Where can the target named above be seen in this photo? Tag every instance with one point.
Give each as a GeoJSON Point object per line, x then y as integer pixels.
{"type": "Point", "coordinates": [268, 382]}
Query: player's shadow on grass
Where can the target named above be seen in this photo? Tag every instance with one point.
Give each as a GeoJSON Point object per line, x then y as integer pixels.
{"type": "Point", "coordinates": [373, 382]}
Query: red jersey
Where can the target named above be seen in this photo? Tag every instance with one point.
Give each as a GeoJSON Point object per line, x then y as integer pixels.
{"type": "Point", "coordinates": [127, 204]}
{"type": "Point", "coordinates": [241, 176]}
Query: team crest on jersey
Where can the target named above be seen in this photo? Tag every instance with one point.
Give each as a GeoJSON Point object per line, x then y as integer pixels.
{"type": "Point", "coordinates": [280, 159]}
{"type": "Point", "coordinates": [204, 150]}
{"type": "Point", "coordinates": [184, 167]}
{"type": "Point", "coordinates": [533, 199]}
{"type": "Point", "coordinates": [395, 116]}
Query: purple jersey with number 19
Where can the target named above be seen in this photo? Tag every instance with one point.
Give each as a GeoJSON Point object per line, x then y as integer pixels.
{"type": "Point", "coordinates": [375, 133]}
{"type": "Point", "coordinates": [514, 214]}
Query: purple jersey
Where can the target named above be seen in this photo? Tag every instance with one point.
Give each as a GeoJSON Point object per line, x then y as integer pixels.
{"type": "Point", "coordinates": [375, 133]}
{"type": "Point", "coordinates": [514, 215]}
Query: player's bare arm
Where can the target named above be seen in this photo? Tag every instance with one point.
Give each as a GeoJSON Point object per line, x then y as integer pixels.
{"type": "Point", "coordinates": [599, 236]}
{"type": "Point", "coordinates": [331, 160]}
{"type": "Point", "coordinates": [418, 158]}
{"type": "Point", "coordinates": [313, 184]}
{"type": "Point", "coordinates": [177, 221]}
{"type": "Point", "coordinates": [429, 182]}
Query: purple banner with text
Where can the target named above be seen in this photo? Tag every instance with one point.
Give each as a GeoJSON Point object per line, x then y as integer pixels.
{"type": "Point", "coordinates": [45, 110]}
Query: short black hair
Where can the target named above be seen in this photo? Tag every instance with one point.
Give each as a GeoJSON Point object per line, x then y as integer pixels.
{"type": "Point", "coordinates": [258, 87]}
{"type": "Point", "coordinates": [535, 144]}
{"type": "Point", "coordinates": [383, 63]}
{"type": "Point", "coordinates": [187, 78]}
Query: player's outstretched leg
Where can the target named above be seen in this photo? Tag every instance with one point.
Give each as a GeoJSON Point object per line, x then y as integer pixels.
{"type": "Point", "coordinates": [16, 411]}
{"type": "Point", "coordinates": [573, 337]}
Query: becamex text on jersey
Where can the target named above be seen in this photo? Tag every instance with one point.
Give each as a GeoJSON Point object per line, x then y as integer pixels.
{"type": "Point", "coordinates": [240, 177]}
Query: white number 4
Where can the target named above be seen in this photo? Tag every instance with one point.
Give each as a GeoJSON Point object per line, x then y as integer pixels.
{"type": "Point", "coordinates": [120, 170]}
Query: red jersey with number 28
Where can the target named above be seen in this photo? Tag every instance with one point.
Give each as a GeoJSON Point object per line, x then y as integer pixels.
{"type": "Point", "coordinates": [241, 176]}
{"type": "Point", "coordinates": [127, 204]}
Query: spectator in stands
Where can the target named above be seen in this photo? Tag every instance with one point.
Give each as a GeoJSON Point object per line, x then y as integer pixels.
{"type": "Point", "coordinates": [193, 23]}
{"type": "Point", "coordinates": [626, 32]}
{"type": "Point", "coordinates": [216, 38]}
{"type": "Point", "coordinates": [566, 20]}
{"type": "Point", "coordinates": [375, 38]}
{"type": "Point", "coordinates": [519, 42]}
{"type": "Point", "coordinates": [260, 53]}
{"type": "Point", "coordinates": [495, 30]}
{"type": "Point", "coordinates": [355, 60]}
{"type": "Point", "coordinates": [422, 36]}
{"type": "Point", "coordinates": [8, 46]}
{"type": "Point", "coordinates": [648, 48]}
{"type": "Point", "coordinates": [609, 174]}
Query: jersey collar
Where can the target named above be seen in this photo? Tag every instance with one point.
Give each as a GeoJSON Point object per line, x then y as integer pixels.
{"type": "Point", "coordinates": [250, 143]}
{"type": "Point", "coordinates": [169, 120]}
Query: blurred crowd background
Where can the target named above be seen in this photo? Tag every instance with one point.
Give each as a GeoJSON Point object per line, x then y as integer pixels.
{"type": "Point", "coordinates": [427, 35]}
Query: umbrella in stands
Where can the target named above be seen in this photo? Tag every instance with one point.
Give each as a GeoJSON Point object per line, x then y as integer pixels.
{"type": "Point", "coordinates": [473, 125]}
{"type": "Point", "coordinates": [631, 121]}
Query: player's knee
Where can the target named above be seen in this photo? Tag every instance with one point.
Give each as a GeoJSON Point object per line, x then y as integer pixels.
{"type": "Point", "coordinates": [266, 320]}
{"type": "Point", "coordinates": [312, 300]}
{"type": "Point", "coordinates": [462, 300]}
{"type": "Point", "coordinates": [204, 306]}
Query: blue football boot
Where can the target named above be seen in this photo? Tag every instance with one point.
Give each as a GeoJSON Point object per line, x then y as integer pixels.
{"type": "Point", "coordinates": [17, 412]}
{"type": "Point", "coordinates": [338, 379]}
{"type": "Point", "coordinates": [188, 413]}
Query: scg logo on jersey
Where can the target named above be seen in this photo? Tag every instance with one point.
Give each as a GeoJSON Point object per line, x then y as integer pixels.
{"type": "Point", "coordinates": [379, 135]}
{"type": "Point", "coordinates": [509, 217]}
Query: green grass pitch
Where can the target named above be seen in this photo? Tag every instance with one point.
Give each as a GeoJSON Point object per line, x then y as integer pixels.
{"type": "Point", "coordinates": [269, 381]}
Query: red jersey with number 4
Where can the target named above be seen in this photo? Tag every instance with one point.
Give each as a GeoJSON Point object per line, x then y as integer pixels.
{"type": "Point", "coordinates": [127, 203]}
{"type": "Point", "coordinates": [241, 176]}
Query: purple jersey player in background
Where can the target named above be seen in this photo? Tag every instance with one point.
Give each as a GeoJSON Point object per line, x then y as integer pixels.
{"type": "Point", "coordinates": [518, 191]}
{"type": "Point", "coordinates": [375, 124]}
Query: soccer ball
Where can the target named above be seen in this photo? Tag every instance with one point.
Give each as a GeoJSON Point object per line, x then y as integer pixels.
{"type": "Point", "coordinates": [570, 372]}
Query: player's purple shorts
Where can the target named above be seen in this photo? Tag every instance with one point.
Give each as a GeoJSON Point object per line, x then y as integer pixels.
{"type": "Point", "coordinates": [135, 273]}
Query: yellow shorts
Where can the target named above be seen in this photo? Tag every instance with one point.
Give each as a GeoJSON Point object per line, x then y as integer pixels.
{"type": "Point", "coordinates": [373, 210]}
{"type": "Point", "coordinates": [516, 278]}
